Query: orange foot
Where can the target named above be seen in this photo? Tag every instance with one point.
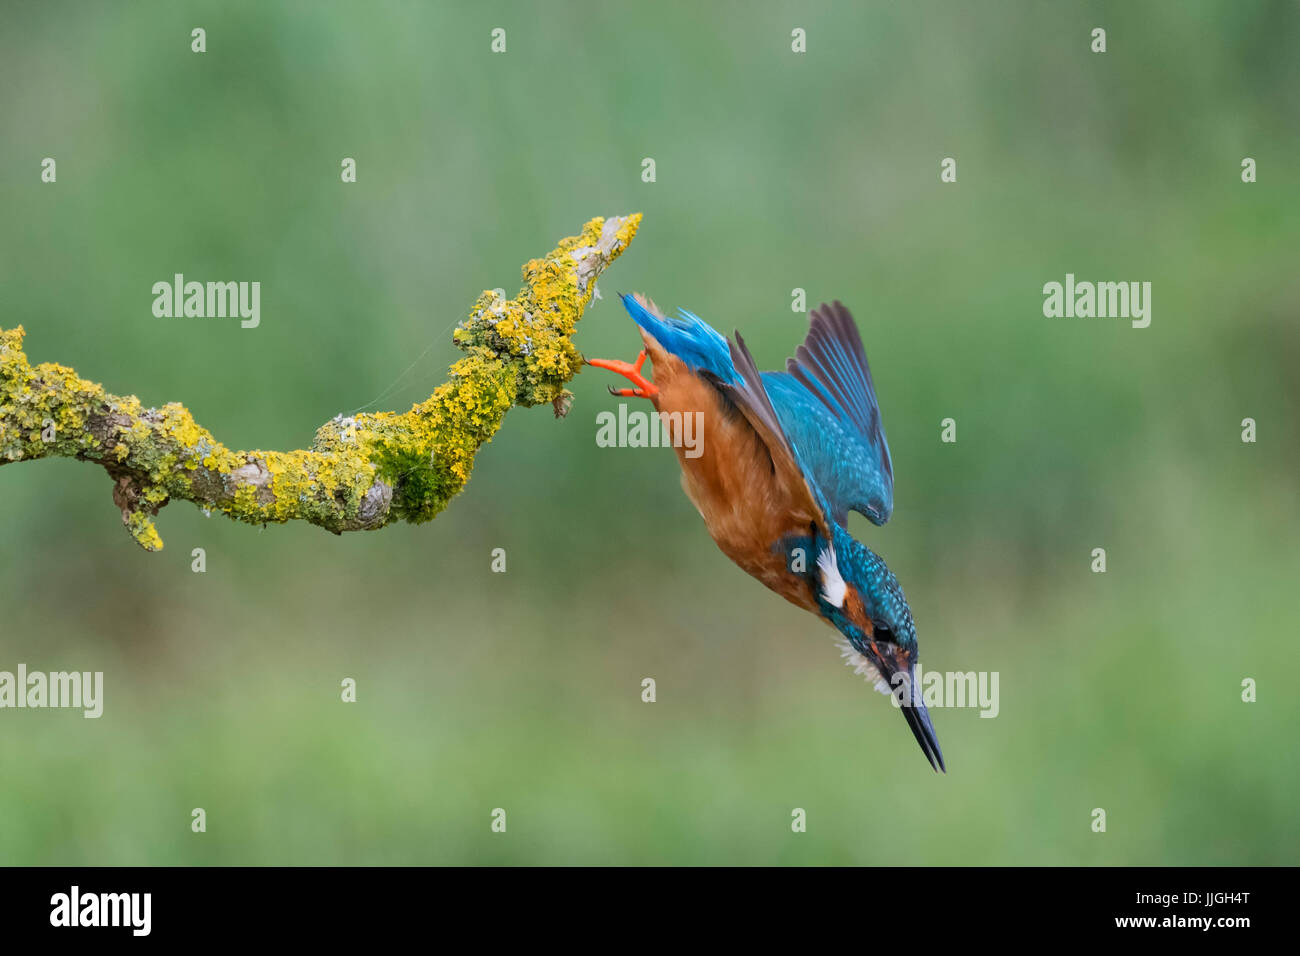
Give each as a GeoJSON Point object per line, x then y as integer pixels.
{"type": "Point", "coordinates": [632, 372]}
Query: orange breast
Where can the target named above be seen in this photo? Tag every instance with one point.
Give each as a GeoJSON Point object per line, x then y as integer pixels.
{"type": "Point", "coordinates": [730, 478]}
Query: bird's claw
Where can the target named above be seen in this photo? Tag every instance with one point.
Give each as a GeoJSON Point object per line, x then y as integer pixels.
{"type": "Point", "coordinates": [630, 371]}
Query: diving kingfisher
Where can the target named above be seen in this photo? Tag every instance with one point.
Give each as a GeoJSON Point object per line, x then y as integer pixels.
{"type": "Point", "coordinates": [784, 457]}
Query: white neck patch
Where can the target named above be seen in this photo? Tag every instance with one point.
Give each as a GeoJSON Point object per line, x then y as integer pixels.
{"type": "Point", "coordinates": [833, 587]}
{"type": "Point", "coordinates": [863, 666]}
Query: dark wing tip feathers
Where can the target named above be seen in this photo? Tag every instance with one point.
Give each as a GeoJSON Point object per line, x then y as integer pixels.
{"type": "Point", "coordinates": [819, 365]}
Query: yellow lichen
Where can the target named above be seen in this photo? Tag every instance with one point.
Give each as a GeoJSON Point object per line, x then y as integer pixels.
{"type": "Point", "coordinates": [361, 472]}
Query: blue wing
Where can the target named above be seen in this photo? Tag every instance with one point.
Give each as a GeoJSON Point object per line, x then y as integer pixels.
{"type": "Point", "coordinates": [826, 403]}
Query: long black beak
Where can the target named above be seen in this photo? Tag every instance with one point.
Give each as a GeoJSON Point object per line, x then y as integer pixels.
{"type": "Point", "coordinates": [908, 695]}
{"type": "Point", "coordinates": [918, 718]}
{"type": "Point", "coordinates": [901, 678]}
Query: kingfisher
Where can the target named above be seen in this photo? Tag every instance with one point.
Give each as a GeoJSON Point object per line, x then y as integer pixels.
{"type": "Point", "coordinates": [784, 457]}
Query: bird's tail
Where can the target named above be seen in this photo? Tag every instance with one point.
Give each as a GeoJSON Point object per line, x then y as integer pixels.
{"type": "Point", "coordinates": [688, 337]}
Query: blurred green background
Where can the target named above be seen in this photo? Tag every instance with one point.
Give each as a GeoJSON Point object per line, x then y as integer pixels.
{"type": "Point", "coordinates": [775, 170]}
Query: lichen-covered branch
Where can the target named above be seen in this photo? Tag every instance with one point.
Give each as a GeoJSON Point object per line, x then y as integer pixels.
{"type": "Point", "coordinates": [360, 473]}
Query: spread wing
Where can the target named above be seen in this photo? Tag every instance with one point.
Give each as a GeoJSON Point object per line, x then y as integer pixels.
{"type": "Point", "coordinates": [825, 403]}
{"type": "Point", "coordinates": [751, 397]}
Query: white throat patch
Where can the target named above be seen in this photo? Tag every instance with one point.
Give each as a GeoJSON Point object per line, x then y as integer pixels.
{"type": "Point", "coordinates": [862, 666]}
{"type": "Point", "coordinates": [833, 587]}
